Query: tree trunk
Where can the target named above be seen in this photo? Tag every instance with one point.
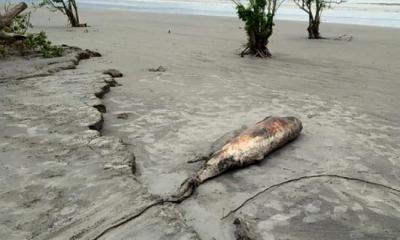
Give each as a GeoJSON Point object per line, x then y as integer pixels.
{"type": "Point", "coordinates": [313, 29]}
{"type": "Point", "coordinates": [71, 10]}
{"type": "Point", "coordinates": [258, 45]}
{"type": "Point", "coordinates": [75, 10]}
{"type": "Point", "coordinates": [74, 20]}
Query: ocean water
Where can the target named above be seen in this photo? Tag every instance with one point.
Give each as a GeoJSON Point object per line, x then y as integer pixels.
{"type": "Point", "coordinates": [385, 13]}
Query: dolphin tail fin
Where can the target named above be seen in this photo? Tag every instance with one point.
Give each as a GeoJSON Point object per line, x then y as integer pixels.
{"type": "Point", "coordinates": [185, 190]}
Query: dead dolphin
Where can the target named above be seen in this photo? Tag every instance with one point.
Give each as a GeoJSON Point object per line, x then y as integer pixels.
{"type": "Point", "coordinates": [249, 146]}
{"type": "Point", "coordinates": [216, 145]}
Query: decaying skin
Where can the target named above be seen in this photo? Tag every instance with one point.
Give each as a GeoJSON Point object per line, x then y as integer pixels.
{"type": "Point", "coordinates": [251, 145]}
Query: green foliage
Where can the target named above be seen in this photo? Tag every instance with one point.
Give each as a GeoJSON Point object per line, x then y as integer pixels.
{"type": "Point", "coordinates": [14, 39]}
{"type": "Point", "coordinates": [32, 43]}
{"type": "Point", "coordinates": [259, 22]}
{"type": "Point", "coordinates": [20, 25]}
{"type": "Point", "coordinates": [39, 42]}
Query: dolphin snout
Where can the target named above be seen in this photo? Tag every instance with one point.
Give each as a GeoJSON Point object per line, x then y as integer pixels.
{"type": "Point", "coordinates": [295, 123]}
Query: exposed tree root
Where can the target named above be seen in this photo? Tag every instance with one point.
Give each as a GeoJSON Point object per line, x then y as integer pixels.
{"type": "Point", "coordinates": [81, 25]}
{"type": "Point", "coordinates": [308, 177]}
{"type": "Point", "coordinates": [258, 53]}
{"type": "Point", "coordinates": [244, 52]}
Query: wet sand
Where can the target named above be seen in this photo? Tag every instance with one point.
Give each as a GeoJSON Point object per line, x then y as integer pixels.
{"type": "Point", "coordinates": [345, 92]}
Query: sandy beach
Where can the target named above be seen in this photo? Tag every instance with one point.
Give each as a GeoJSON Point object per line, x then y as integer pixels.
{"type": "Point", "coordinates": [354, 72]}
{"type": "Point", "coordinates": [346, 92]}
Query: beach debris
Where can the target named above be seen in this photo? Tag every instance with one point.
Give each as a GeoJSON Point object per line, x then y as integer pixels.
{"type": "Point", "coordinates": [86, 54]}
{"type": "Point", "coordinates": [113, 73]}
{"type": "Point", "coordinates": [344, 37]}
{"type": "Point", "coordinates": [159, 69]}
{"type": "Point", "coordinates": [249, 146]}
{"type": "Point", "coordinates": [244, 229]}
{"type": "Point", "coordinates": [123, 116]}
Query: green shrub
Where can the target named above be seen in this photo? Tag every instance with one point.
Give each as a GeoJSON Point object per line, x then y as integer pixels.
{"type": "Point", "coordinates": [258, 16]}
{"type": "Point", "coordinates": [39, 42]}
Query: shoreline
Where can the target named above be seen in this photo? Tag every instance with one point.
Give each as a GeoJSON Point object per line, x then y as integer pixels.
{"type": "Point", "coordinates": [373, 17]}
{"type": "Point", "coordinates": [331, 16]}
{"type": "Point", "coordinates": [117, 10]}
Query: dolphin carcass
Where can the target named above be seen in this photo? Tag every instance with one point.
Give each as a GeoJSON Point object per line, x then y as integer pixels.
{"type": "Point", "coordinates": [248, 146]}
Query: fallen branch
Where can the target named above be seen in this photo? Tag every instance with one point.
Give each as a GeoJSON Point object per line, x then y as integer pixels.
{"type": "Point", "coordinates": [9, 16]}
{"type": "Point", "coordinates": [308, 177]}
{"type": "Point", "coordinates": [10, 38]}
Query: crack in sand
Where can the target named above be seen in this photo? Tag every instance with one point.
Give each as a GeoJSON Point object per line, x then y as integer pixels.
{"type": "Point", "coordinates": [162, 201]}
{"type": "Point", "coordinates": [307, 177]}
{"type": "Point", "coordinates": [132, 217]}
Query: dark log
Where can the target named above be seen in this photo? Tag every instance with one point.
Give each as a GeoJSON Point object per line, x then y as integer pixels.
{"type": "Point", "coordinates": [313, 29]}
{"type": "Point", "coordinates": [10, 38]}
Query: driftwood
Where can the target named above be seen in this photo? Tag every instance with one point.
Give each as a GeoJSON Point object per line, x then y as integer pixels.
{"type": "Point", "coordinates": [250, 146]}
{"type": "Point", "coordinates": [7, 18]}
